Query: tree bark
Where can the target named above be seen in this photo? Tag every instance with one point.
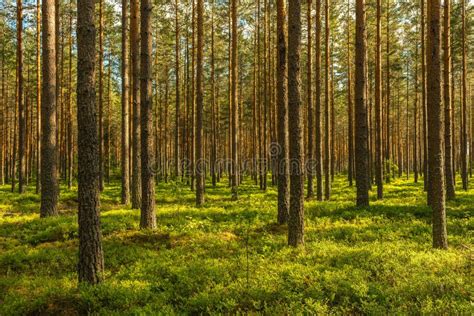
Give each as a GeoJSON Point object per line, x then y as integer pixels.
{"type": "Point", "coordinates": [148, 216]}
{"type": "Point", "coordinates": [361, 130]}
{"type": "Point", "coordinates": [49, 184]}
{"type": "Point", "coordinates": [135, 52]}
{"type": "Point", "coordinates": [125, 162]}
{"type": "Point", "coordinates": [91, 259]}
{"type": "Point", "coordinates": [234, 101]}
{"type": "Point", "coordinates": [282, 106]}
{"type": "Point", "coordinates": [436, 193]}
{"type": "Point", "coordinates": [200, 166]}
{"type": "Point", "coordinates": [318, 129]}
{"type": "Point", "coordinates": [378, 108]}
{"type": "Point", "coordinates": [448, 138]}
{"type": "Point", "coordinates": [295, 116]}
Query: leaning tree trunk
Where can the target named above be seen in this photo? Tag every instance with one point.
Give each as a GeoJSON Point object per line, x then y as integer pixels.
{"type": "Point", "coordinates": [91, 259]}
{"type": "Point", "coordinates": [295, 116]}
{"type": "Point", "coordinates": [436, 189]}
{"type": "Point", "coordinates": [361, 129]}
{"type": "Point", "coordinates": [49, 184]}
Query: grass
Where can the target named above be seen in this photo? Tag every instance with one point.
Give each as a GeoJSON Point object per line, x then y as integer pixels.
{"type": "Point", "coordinates": [231, 257]}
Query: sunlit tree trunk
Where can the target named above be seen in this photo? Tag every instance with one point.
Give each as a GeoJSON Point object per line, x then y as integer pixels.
{"type": "Point", "coordinates": [436, 192]}
{"type": "Point", "coordinates": [448, 138]}
{"type": "Point", "coordinates": [282, 109]}
{"type": "Point", "coordinates": [295, 116]}
{"type": "Point", "coordinates": [91, 259]}
{"type": "Point", "coordinates": [147, 215]}
{"type": "Point", "coordinates": [361, 130]}
{"type": "Point", "coordinates": [125, 162]}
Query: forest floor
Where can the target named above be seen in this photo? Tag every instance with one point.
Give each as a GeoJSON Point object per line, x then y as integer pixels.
{"type": "Point", "coordinates": [231, 257]}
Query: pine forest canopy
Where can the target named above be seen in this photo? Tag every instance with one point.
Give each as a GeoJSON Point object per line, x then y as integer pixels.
{"type": "Point", "coordinates": [304, 97]}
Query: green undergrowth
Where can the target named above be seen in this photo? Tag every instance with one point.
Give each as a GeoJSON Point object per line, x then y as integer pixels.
{"type": "Point", "coordinates": [230, 257]}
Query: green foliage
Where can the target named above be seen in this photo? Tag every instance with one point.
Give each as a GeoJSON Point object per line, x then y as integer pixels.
{"type": "Point", "coordinates": [374, 261]}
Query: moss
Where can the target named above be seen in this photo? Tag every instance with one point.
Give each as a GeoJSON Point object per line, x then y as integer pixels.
{"type": "Point", "coordinates": [231, 257]}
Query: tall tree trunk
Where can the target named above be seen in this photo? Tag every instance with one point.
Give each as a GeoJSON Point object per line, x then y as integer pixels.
{"type": "Point", "coordinates": [361, 130]}
{"type": "Point", "coordinates": [448, 138]}
{"type": "Point", "coordinates": [423, 97]}
{"type": "Point", "coordinates": [295, 116]}
{"type": "Point", "coordinates": [49, 184]}
{"type": "Point", "coordinates": [309, 95]}
{"type": "Point", "coordinates": [234, 101]}
{"type": "Point", "coordinates": [327, 93]}
{"type": "Point", "coordinates": [464, 140]}
{"type": "Point", "coordinates": [282, 107]}
{"type": "Point", "coordinates": [388, 139]}
{"type": "Point", "coordinates": [101, 95]}
{"type": "Point", "coordinates": [200, 171]}
{"type": "Point", "coordinates": [38, 104]}
{"type": "Point", "coordinates": [125, 162]}
{"type": "Point", "coordinates": [135, 51]}
{"type": "Point", "coordinates": [21, 114]}
{"type": "Point", "coordinates": [148, 217]}
{"type": "Point", "coordinates": [91, 259]}
{"type": "Point", "coordinates": [378, 108]}
{"type": "Point", "coordinates": [350, 118]}
{"type": "Point", "coordinates": [178, 100]}
{"type": "Point", "coordinates": [318, 129]}
{"type": "Point", "coordinates": [436, 193]}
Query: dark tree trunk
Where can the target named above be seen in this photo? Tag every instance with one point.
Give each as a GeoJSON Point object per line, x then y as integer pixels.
{"type": "Point", "coordinates": [295, 116]}
{"type": "Point", "coordinates": [91, 260]}
{"type": "Point", "coordinates": [436, 193]}
{"type": "Point", "coordinates": [199, 165]}
{"type": "Point", "coordinates": [135, 52]}
{"type": "Point", "coordinates": [318, 129]}
{"type": "Point", "coordinates": [448, 138]}
{"type": "Point", "coordinates": [282, 107]}
{"type": "Point", "coordinates": [49, 184]}
{"type": "Point", "coordinates": [378, 108]}
{"type": "Point", "coordinates": [361, 129]}
{"type": "Point", "coordinates": [148, 217]}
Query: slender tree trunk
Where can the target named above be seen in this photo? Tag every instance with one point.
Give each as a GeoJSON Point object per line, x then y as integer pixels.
{"type": "Point", "coordinates": [388, 138]}
{"type": "Point", "coordinates": [21, 114]}
{"type": "Point", "coordinates": [378, 108]}
{"type": "Point", "coordinates": [423, 97]}
{"type": "Point", "coordinates": [200, 171]}
{"type": "Point", "coordinates": [448, 139]}
{"type": "Point", "coordinates": [38, 104]}
{"type": "Point", "coordinates": [101, 95]}
{"type": "Point", "coordinates": [350, 118]}
{"type": "Point", "coordinates": [148, 217]}
{"type": "Point", "coordinates": [327, 93]}
{"type": "Point", "coordinates": [49, 184]}
{"type": "Point", "coordinates": [361, 130]}
{"type": "Point", "coordinates": [135, 51]}
{"type": "Point", "coordinates": [436, 194]}
{"type": "Point", "coordinates": [318, 129]}
{"type": "Point", "coordinates": [178, 100]}
{"type": "Point", "coordinates": [464, 140]}
{"type": "Point", "coordinates": [295, 116]}
{"type": "Point", "coordinates": [125, 162]}
{"type": "Point", "coordinates": [282, 106]}
{"type": "Point", "coordinates": [309, 95]}
{"type": "Point", "coordinates": [234, 101]}
{"type": "Point", "coordinates": [91, 259]}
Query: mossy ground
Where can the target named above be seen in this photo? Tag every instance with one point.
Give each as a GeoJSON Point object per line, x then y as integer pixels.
{"type": "Point", "coordinates": [231, 257]}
